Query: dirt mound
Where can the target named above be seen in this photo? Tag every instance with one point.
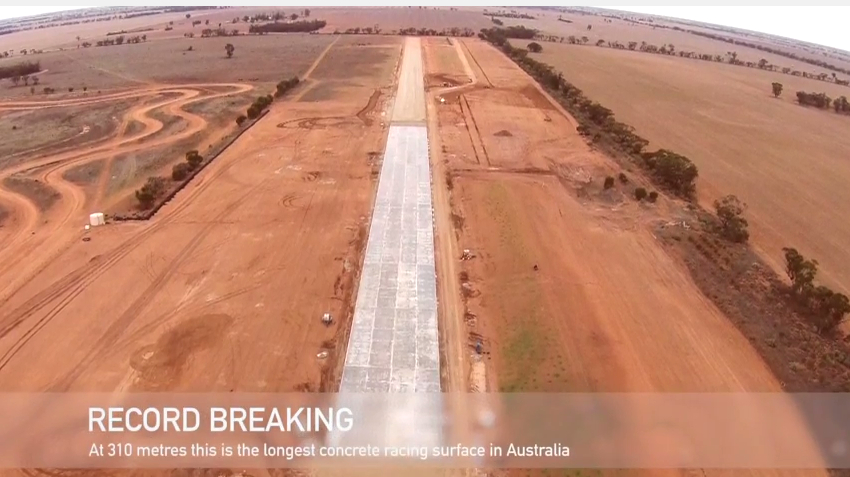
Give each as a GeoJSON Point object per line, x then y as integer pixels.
{"type": "Point", "coordinates": [442, 80]}
{"type": "Point", "coordinates": [503, 133]}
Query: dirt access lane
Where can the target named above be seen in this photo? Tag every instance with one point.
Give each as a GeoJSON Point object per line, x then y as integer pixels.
{"type": "Point", "coordinates": [409, 103]}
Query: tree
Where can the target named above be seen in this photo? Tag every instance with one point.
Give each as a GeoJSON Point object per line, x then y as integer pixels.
{"type": "Point", "coordinates": [193, 159]}
{"type": "Point", "coordinates": [674, 171]}
{"type": "Point", "coordinates": [35, 80]}
{"type": "Point", "coordinates": [640, 193]}
{"type": "Point", "coordinates": [609, 182]}
{"type": "Point", "coordinates": [15, 80]}
{"type": "Point", "coordinates": [802, 272]}
{"type": "Point", "coordinates": [180, 171]}
{"type": "Point", "coordinates": [306, 12]}
{"type": "Point", "coordinates": [26, 79]}
{"type": "Point", "coordinates": [841, 105]}
{"type": "Point", "coordinates": [188, 15]}
{"type": "Point", "coordinates": [652, 197]}
{"type": "Point", "coordinates": [152, 190]}
{"type": "Point", "coordinates": [229, 49]}
{"type": "Point", "coordinates": [535, 47]}
{"type": "Point", "coordinates": [241, 119]}
{"type": "Point", "coordinates": [777, 89]}
{"type": "Point", "coordinates": [733, 227]}
{"type": "Point", "coordinates": [623, 178]}
{"type": "Point", "coordinates": [585, 39]}
{"type": "Point", "coordinates": [293, 17]}
{"type": "Point", "coordinates": [762, 63]}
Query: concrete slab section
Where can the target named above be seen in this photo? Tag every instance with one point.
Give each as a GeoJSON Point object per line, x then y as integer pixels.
{"type": "Point", "coordinates": [394, 342]}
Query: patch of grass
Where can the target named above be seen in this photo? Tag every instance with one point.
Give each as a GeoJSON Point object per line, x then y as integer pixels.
{"type": "Point", "coordinates": [85, 174]}
{"type": "Point", "coordinates": [41, 194]}
{"type": "Point", "coordinates": [523, 349]}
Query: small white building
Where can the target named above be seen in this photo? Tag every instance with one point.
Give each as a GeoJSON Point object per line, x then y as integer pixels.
{"type": "Point", "coordinates": [96, 219]}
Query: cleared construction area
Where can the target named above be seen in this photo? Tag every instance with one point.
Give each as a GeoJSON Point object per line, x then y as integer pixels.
{"type": "Point", "coordinates": [394, 342]}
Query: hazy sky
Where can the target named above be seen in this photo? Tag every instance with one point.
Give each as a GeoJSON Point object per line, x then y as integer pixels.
{"type": "Point", "coordinates": [821, 25]}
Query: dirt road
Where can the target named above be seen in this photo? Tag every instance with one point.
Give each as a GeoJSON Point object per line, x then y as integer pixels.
{"type": "Point", "coordinates": [409, 103]}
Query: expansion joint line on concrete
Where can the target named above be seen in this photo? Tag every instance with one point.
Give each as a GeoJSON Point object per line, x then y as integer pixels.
{"type": "Point", "coordinates": [394, 343]}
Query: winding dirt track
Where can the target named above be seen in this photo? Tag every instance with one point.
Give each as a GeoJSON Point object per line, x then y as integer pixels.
{"type": "Point", "coordinates": [31, 231]}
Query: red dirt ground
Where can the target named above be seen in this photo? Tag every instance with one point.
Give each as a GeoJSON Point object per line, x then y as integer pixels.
{"type": "Point", "coordinates": [211, 294]}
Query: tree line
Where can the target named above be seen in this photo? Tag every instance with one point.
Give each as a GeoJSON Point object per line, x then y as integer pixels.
{"type": "Point", "coordinates": [304, 26]}
{"type": "Point", "coordinates": [822, 101]}
{"type": "Point", "coordinates": [826, 307]}
{"type": "Point", "coordinates": [119, 40]}
{"type": "Point", "coordinates": [411, 31]}
{"type": "Point", "coordinates": [20, 69]}
{"type": "Point", "coordinates": [511, 14]}
{"type": "Point", "coordinates": [271, 17]}
{"type": "Point", "coordinates": [216, 32]}
{"type": "Point", "coordinates": [775, 51]}
{"type": "Point", "coordinates": [671, 171]}
{"type": "Point", "coordinates": [261, 103]}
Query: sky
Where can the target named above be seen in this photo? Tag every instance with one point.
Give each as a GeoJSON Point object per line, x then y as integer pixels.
{"type": "Point", "coordinates": [821, 25]}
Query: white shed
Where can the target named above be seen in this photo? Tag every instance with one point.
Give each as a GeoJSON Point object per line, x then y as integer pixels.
{"type": "Point", "coordinates": [96, 219]}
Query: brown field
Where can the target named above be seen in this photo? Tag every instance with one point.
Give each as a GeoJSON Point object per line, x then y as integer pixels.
{"type": "Point", "coordinates": [579, 323]}
{"type": "Point", "coordinates": [30, 131]}
{"type": "Point", "coordinates": [397, 18]}
{"type": "Point", "coordinates": [787, 162]}
{"type": "Point", "coordinates": [257, 59]}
